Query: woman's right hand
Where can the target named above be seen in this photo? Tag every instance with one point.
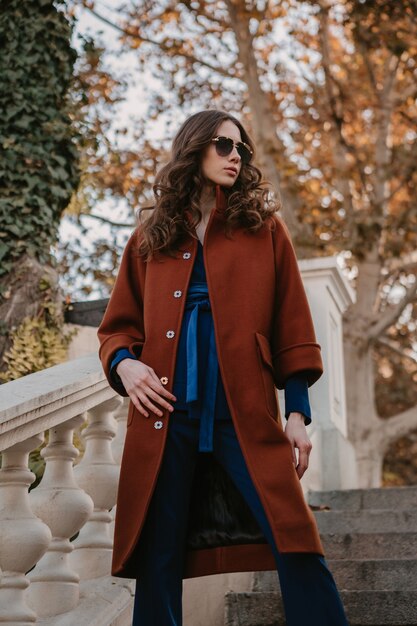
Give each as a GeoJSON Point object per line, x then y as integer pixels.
{"type": "Point", "coordinates": [143, 385]}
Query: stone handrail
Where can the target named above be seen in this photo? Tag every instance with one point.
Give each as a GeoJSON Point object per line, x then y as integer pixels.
{"type": "Point", "coordinates": [58, 537]}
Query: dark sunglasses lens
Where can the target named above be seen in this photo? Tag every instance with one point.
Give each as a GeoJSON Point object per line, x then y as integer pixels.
{"type": "Point", "coordinates": [244, 153]}
{"type": "Point", "coordinates": [224, 146]}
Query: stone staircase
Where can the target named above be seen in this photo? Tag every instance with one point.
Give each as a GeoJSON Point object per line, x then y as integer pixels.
{"type": "Point", "coordinates": [370, 540]}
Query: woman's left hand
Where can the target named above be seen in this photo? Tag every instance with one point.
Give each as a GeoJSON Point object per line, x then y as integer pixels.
{"type": "Point", "coordinates": [296, 432]}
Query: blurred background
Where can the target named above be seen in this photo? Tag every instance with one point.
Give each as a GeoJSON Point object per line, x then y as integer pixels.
{"type": "Point", "coordinates": [91, 96]}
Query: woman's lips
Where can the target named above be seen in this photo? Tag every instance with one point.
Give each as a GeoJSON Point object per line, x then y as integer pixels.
{"type": "Point", "coordinates": [230, 171]}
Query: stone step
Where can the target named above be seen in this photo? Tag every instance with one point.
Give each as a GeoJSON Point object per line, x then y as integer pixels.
{"type": "Point", "coordinates": [380, 608]}
{"type": "Point", "coordinates": [105, 601]}
{"type": "Point", "coordinates": [354, 575]}
{"type": "Point", "coordinates": [363, 608]}
{"type": "Point", "coordinates": [370, 545]}
{"type": "Point", "coordinates": [375, 575]}
{"type": "Point", "coordinates": [366, 521]}
{"type": "Point", "coordinates": [393, 498]}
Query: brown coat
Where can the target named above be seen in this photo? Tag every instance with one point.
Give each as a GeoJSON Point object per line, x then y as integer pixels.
{"type": "Point", "coordinates": [264, 333]}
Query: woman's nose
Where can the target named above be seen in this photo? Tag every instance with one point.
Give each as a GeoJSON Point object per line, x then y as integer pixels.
{"type": "Point", "coordinates": [234, 155]}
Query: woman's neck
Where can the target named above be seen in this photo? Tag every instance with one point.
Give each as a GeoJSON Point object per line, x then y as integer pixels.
{"type": "Point", "coordinates": [207, 200]}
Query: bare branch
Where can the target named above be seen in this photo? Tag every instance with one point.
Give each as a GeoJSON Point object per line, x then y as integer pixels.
{"type": "Point", "coordinates": [393, 313]}
{"type": "Point", "coordinates": [390, 344]}
{"type": "Point", "coordinates": [342, 148]}
{"type": "Point", "coordinates": [399, 425]}
{"type": "Point", "coordinates": [162, 45]}
{"type": "Point", "coordinates": [382, 149]}
{"type": "Point", "coordinates": [406, 263]}
{"type": "Point", "coordinates": [410, 120]}
{"type": "Point", "coordinates": [105, 220]}
{"type": "Point", "coordinates": [409, 92]}
{"type": "Point", "coordinates": [390, 71]}
{"type": "Point", "coordinates": [369, 67]}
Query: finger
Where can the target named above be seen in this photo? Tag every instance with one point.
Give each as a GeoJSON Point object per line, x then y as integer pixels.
{"type": "Point", "coordinates": [144, 398]}
{"type": "Point", "coordinates": [294, 456]}
{"type": "Point", "coordinates": [138, 405]}
{"type": "Point", "coordinates": [160, 388]}
{"type": "Point", "coordinates": [154, 395]}
{"type": "Point", "coordinates": [303, 457]}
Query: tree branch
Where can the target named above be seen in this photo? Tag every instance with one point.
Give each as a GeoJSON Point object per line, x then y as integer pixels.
{"type": "Point", "coordinates": [342, 148]}
{"type": "Point", "coordinates": [382, 150]}
{"type": "Point", "coordinates": [408, 169]}
{"type": "Point", "coordinates": [105, 220]}
{"type": "Point", "coordinates": [392, 314]}
{"type": "Point", "coordinates": [389, 344]}
{"type": "Point", "coordinates": [399, 425]}
{"type": "Point", "coordinates": [409, 92]}
{"type": "Point", "coordinates": [406, 263]}
{"type": "Point", "coordinates": [162, 45]}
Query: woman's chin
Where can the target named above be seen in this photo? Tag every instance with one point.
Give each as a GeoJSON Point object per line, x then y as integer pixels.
{"type": "Point", "coordinates": [226, 180]}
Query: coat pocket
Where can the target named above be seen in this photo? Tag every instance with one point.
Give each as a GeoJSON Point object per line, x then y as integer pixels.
{"type": "Point", "coordinates": [267, 372]}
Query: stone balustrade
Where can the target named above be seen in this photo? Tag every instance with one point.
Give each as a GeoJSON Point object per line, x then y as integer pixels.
{"type": "Point", "coordinates": [56, 539]}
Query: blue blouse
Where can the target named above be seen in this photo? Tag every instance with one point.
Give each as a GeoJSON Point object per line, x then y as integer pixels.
{"type": "Point", "coordinates": [198, 385]}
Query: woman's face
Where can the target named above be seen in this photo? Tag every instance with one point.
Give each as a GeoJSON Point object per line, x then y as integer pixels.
{"type": "Point", "coordinates": [222, 170]}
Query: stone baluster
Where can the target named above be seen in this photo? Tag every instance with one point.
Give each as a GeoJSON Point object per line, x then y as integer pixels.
{"type": "Point", "coordinates": [24, 538]}
{"type": "Point", "coordinates": [98, 475]}
{"type": "Point", "coordinates": [65, 508]}
{"type": "Point", "coordinates": [120, 415]}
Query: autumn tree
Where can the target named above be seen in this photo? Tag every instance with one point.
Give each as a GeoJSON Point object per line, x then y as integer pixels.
{"type": "Point", "coordinates": [328, 90]}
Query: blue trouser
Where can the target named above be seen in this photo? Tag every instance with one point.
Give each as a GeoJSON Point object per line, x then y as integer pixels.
{"type": "Point", "coordinates": [308, 590]}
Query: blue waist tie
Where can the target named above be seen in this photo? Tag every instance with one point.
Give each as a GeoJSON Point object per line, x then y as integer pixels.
{"type": "Point", "coordinates": [201, 408]}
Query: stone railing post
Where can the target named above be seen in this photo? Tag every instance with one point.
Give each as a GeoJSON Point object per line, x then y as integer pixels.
{"type": "Point", "coordinates": [65, 508]}
{"type": "Point", "coordinates": [333, 460]}
{"type": "Point", "coordinates": [120, 415]}
{"type": "Point", "coordinates": [98, 475]}
{"type": "Point", "coordinates": [24, 538]}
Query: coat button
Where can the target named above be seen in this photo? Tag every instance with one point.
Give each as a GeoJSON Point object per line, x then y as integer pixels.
{"type": "Point", "coordinates": [186, 255]}
{"type": "Point", "coordinates": [158, 424]}
{"type": "Point", "coordinates": [177, 294]}
{"type": "Point", "coordinates": [164, 380]}
{"type": "Point", "coordinates": [170, 334]}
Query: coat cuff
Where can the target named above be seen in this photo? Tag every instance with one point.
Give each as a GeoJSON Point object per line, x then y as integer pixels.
{"type": "Point", "coordinates": [301, 357]}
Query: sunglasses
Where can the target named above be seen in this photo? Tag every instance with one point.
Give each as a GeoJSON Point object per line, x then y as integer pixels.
{"type": "Point", "coordinates": [225, 145]}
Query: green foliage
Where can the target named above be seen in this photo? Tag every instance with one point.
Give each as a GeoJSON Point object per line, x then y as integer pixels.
{"type": "Point", "coordinates": [39, 156]}
{"type": "Point", "coordinates": [35, 346]}
{"type": "Point", "coordinates": [38, 342]}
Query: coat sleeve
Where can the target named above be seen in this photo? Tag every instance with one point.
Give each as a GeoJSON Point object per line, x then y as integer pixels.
{"type": "Point", "coordinates": [293, 343]}
{"type": "Point", "coordinates": [122, 324]}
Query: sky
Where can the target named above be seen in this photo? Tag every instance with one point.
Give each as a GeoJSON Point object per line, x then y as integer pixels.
{"type": "Point", "coordinates": [135, 104]}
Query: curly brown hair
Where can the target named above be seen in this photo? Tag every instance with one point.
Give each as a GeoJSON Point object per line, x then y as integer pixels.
{"type": "Point", "coordinates": [179, 183]}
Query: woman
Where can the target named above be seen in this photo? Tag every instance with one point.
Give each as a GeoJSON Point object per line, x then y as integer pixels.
{"type": "Point", "coordinates": [207, 316]}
